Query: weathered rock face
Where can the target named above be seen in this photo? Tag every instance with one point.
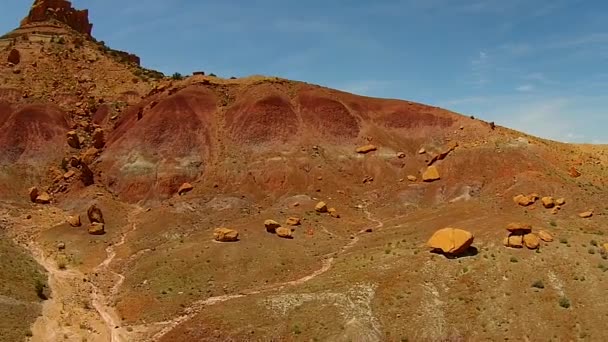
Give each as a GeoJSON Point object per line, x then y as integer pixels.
{"type": "Point", "coordinates": [225, 235]}
{"type": "Point", "coordinates": [451, 241]}
{"type": "Point", "coordinates": [61, 10]}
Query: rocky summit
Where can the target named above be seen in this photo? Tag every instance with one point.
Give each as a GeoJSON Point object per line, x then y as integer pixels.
{"type": "Point", "coordinates": [140, 207]}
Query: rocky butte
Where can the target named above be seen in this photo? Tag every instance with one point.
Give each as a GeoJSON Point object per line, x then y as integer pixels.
{"type": "Point", "coordinates": [60, 10]}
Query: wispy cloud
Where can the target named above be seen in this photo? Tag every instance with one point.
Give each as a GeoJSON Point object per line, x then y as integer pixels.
{"type": "Point", "coordinates": [479, 67]}
{"type": "Point", "coordinates": [525, 88]}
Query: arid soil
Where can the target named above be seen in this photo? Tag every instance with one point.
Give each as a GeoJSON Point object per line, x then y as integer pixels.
{"type": "Point", "coordinates": [169, 159]}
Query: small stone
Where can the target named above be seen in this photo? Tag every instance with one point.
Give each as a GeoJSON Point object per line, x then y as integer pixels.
{"type": "Point", "coordinates": [293, 221]}
{"type": "Point", "coordinates": [185, 188]}
{"type": "Point", "coordinates": [321, 207]}
{"type": "Point", "coordinates": [97, 228]}
{"type": "Point", "coordinates": [74, 221]}
{"type": "Point", "coordinates": [285, 233]}
{"type": "Point", "coordinates": [586, 214]}
{"type": "Point", "coordinates": [271, 226]}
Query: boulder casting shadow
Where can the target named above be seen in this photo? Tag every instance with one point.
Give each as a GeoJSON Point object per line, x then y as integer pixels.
{"type": "Point", "coordinates": [469, 252]}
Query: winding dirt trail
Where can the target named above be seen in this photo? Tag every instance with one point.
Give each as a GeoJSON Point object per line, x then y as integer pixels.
{"type": "Point", "coordinates": [63, 317]}
{"type": "Point", "coordinates": [326, 265]}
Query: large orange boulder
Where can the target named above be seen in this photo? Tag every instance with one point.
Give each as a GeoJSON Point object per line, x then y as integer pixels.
{"type": "Point", "coordinates": [451, 241]}
{"type": "Point", "coordinates": [532, 241]}
{"type": "Point", "coordinates": [545, 236]}
{"type": "Point", "coordinates": [524, 201]}
{"type": "Point", "coordinates": [548, 202]}
{"type": "Point", "coordinates": [519, 228]}
{"type": "Point", "coordinates": [431, 174]}
{"type": "Point", "coordinates": [225, 235]}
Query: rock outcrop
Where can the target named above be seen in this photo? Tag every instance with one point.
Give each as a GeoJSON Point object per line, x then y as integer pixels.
{"type": "Point", "coordinates": [451, 241]}
{"type": "Point", "coordinates": [60, 10]}
{"type": "Point", "coordinates": [225, 235]}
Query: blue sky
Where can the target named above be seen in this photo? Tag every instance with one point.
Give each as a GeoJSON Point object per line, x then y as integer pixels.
{"type": "Point", "coordinates": [536, 66]}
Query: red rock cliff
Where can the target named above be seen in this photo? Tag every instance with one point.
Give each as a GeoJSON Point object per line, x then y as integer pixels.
{"type": "Point", "coordinates": [61, 10]}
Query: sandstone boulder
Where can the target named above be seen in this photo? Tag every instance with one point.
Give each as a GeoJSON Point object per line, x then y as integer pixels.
{"type": "Point", "coordinates": [33, 192]}
{"type": "Point", "coordinates": [285, 233]}
{"type": "Point", "coordinates": [545, 236]}
{"type": "Point", "coordinates": [412, 178]}
{"type": "Point", "coordinates": [431, 174]}
{"type": "Point", "coordinates": [271, 226]}
{"type": "Point", "coordinates": [43, 198]}
{"type": "Point", "coordinates": [523, 200]}
{"type": "Point", "coordinates": [515, 241]}
{"type": "Point", "coordinates": [519, 228]}
{"type": "Point", "coordinates": [451, 241]}
{"type": "Point", "coordinates": [400, 155]}
{"type": "Point", "coordinates": [366, 149]}
{"type": "Point", "coordinates": [95, 215]}
{"type": "Point", "coordinates": [321, 207]}
{"type": "Point", "coordinates": [548, 202]}
{"type": "Point", "coordinates": [99, 139]}
{"type": "Point", "coordinates": [586, 214]}
{"type": "Point", "coordinates": [74, 221]}
{"type": "Point", "coordinates": [225, 235]}
{"type": "Point", "coordinates": [421, 150]}
{"type": "Point", "coordinates": [531, 241]}
{"type": "Point", "coordinates": [560, 201]}
{"type": "Point", "coordinates": [185, 188]}
{"type": "Point", "coordinates": [97, 228]}
{"type": "Point", "coordinates": [333, 212]}
{"type": "Point", "coordinates": [293, 221]}
{"type": "Point", "coordinates": [73, 139]}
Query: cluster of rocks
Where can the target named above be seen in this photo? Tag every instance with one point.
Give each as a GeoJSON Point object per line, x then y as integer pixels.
{"type": "Point", "coordinates": [96, 220]}
{"type": "Point", "coordinates": [274, 227]}
{"type": "Point", "coordinates": [451, 241]}
{"type": "Point", "coordinates": [520, 235]}
{"type": "Point", "coordinates": [547, 202]}
{"type": "Point", "coordinates": [321, 207]}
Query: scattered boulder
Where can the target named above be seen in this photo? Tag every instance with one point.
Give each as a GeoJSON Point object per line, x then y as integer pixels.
{"type": "Point", "coordinates": [523, 200]}
{"type": "Point", "coordinates": [97, 228]}
{"type": "Point", "coordinates": [321, 207]}
{"type": "Point", "coordinates": [421, 151]}
{"type": "Point", "coordinates": [61, 246]}
{"type": "Point", "coordinates": [514, 241]}
{"type": "Point", "coordinates": [271, 226]}
{"type": "Point", "coordinates": [574, 173]}
{"type": "Point", "coordinates": [431, 174]}
{"type": "Point", "coordinates": [412, 178]}
{"type": "Point", "coordinates": [33, 192]}
{"type": "Point", "coordinates": [293, 221]}
{"type": "Point", "coordinates": [451, 241]}
{"type": "Point", "coordinates": [95, 215]}
{"type": "Point", "coordinates": [548, 202]}
{"type": "Point", "coordinates": [43, 198]}
{"type": "Point", "coordinates": [545, 236]}
{"type": "Point", "coordinates": [225, 235]}
{"type": "Point", "coordinates": [185, 188]}
{"type": "Point", "coordinates": [555, 210]}
{"type": "Point", "coordinates": [401, 155]}
{"type": "Point", "coordinates": [74, 221]}
{"type": "Point", "coordinates": [285, 233]}
{"type": "Point", "coordinates": [586, 214]}
{"type": "Point", "coordinates": [366, 149]}
{"type": "Point", "coordinates": [87, 157]}
{"type": "Point", "coordinates": [560, 201]}
{"type": "Point", "coordinates": [442, 155]}
{"type": "Point", "coordinates": [73, 139]}
{"type": "Point", "coordinates": [99, 140]}
{"type": "Point", "coordinates": [86, 175]}
{"type": "Point", "coordinates": [531, 241]}
{"type": "Point", "coordinates": [519, 228]}
{"type": "Point", "coordinates": [14, 57]}
{"type": "Point", "coordinates": [333, 213]}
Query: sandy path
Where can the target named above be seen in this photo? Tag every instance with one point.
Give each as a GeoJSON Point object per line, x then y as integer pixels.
{"type": "Point", "coordinates": [326, 265]}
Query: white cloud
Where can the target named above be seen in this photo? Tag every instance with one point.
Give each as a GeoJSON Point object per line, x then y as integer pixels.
{"type": "Point", "coordinates": [525, 88]}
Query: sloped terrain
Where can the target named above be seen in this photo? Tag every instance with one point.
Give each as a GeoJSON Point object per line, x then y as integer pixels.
{"type": "Point", "coordinates": [169, 160]}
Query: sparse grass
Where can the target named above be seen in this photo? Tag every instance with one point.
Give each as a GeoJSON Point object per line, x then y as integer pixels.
{"type": "Point", "coordinates": [563, 241]}
{"type": "Point", "coordinates": [564, 302]}
{"type": "Point", "coordinates": [591, 251]}
{"type": "Point", "coordinates": [593, 243]}
{"type": "Point", "coordinates": [538, 284]}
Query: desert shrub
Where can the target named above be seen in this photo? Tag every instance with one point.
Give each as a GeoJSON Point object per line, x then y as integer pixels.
{"type": "Point", "coordinates": [564, 302]}
{"type": "Point", "coordinates": [538, 284]}
{"type": "Point", "coordinates": [177, 76]}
